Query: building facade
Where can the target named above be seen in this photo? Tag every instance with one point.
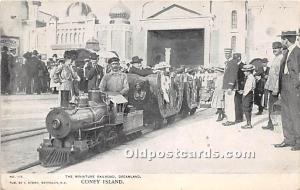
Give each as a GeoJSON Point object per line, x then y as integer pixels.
{"type": "Point", "coordinates": [194, 33]}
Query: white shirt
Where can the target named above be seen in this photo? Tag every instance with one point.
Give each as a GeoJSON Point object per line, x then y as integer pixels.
{"type": "Point", "coordinates": [291, 48]}
{"type": "Point", "coordinates": [249, 85]}
{"type": "Point", "coordinates": [273, 79]}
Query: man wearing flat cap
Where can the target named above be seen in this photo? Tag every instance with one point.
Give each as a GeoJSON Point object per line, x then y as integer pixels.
{"type": "Point", "coordinates": [115, 81]}
{"type": "Point", "coordinates": [229, 86]}
{"type": "Point", "coordinates": [290, 92]}
{"type": "Point", "coordinates": [136, 67]}
{"type": "Point", "coordinates": [272, 83]}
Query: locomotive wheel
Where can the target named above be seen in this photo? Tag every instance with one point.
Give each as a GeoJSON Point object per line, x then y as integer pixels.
{"type": "Point", "coordinates": [139, 133]}
{"type": "Point", "coordinates": [101, 142]}
{"type": "Point", "coordinates": [184, 113]}
{"type": "Point", "coordinates": [171, 119]}
{"type": "Point", "coordinates": [193, 111]}
{"type": "Point", "coordinates": [159, 123]}
{"type": "Point", "coordinates": [112, 139]}
{"type": "Point", "coordinates": [129, 137]}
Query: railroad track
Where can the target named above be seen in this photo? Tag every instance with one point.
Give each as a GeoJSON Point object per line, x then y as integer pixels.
{"type": "Point", "coordinates": [36, 167]}
{"type": "Point", "coordinates": [7, 137]}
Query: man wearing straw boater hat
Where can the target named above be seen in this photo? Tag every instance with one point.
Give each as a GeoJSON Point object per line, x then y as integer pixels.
{"type": "Point", "coordinates": [229, 84]}
{"type": "Point", "coordinates": [290, 92]}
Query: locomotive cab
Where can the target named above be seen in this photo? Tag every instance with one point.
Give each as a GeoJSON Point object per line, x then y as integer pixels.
{"type": "Point", "coordinates": [116, 104]}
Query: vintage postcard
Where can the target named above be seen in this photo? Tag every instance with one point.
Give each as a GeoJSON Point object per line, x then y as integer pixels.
{"type": "Point", "coordinates": [129, 94]}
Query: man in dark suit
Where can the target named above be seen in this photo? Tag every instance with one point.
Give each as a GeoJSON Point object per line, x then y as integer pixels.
{"type": "Point", "coordinates": [37, 67]}
{"type": "Point", "coordinates": [94, 73]}
{"type": "Point", "coordinates": [5, 77]}
{"type": "Point", "coordinates": [30, 71]}
{"type": "Point", "coordinates": [290, 92]}
{"type": "Point", "coordinates": [239, 89]}
{"type": "Point", "coordinates": [229, 86]}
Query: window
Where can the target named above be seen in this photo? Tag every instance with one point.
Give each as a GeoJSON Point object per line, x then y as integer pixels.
{"type": "Point", "coordinates": [233, 43]}
{"type": "Point", "coordinates": [79, 36]}
{"type": "Point", "coordinates": [234, 19]}
{"type": "Point", "coordinates": [66, 38]}
{"type": "Point", "coordinates": [57, 39]}
{"type": "Point", "coordinates": [75, 38]}
{"type": "Point", "coordinates": [62, 38]}
{"type": "Point", "coordinates": [71, 38]}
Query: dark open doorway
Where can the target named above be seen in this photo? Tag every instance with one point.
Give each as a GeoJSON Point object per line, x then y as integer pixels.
{"type": "Point", "coordinates": [187, 47]}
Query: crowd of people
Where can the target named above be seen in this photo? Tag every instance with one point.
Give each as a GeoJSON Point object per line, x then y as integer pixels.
{"type": "Point", "coordinates": [239, 86]}
{"type": "Point", "coordinates": [69, 79]}
{"type": "Point", "coordinates": [30, 77]}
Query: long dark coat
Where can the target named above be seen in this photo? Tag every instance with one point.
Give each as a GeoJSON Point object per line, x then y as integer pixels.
{"type": "Point", "coordinates": [230, 75]}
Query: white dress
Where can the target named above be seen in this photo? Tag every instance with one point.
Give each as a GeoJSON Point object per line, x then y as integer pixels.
{"type": "Point", "coordinates": [218, 96]}
{"type": "Point", "coordinates": [52, 83]}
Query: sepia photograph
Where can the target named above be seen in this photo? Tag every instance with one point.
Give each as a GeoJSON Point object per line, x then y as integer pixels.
{"type": "Point", "coordinates": [150, 94]}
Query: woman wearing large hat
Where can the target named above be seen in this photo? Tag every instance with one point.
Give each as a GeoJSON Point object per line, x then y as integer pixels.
{"type": "Point", "coordinates": [218, 96]}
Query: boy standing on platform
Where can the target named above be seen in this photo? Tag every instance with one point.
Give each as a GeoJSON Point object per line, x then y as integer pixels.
{"type": "Point", "coordinates": [248, 94]}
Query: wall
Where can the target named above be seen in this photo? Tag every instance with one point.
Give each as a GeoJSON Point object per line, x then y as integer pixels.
{"type": "Point", "coordinates": [187, 47]}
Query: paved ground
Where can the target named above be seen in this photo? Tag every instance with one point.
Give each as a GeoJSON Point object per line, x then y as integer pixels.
{"type": "Point", "coordinates": [23, 112]}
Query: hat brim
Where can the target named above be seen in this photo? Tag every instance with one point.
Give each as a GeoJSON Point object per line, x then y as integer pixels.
{"type": "Point", "coordinates": [161, 67]}
{"type": "Point", "coordinates": [220, 70]}
{"type": "Point", "coordinates": [248, 69]}
{"type": "Point", "coordinates": [136, 61]}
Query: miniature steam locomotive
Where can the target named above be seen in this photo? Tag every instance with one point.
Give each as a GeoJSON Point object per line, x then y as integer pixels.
{"type": "Point", "coordinates": [102, 119]}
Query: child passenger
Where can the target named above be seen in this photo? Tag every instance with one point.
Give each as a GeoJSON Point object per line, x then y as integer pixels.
{"type": "Point", "coordinates": [248, 94]}
{"type": "Point", "coordinates": [218, 96]}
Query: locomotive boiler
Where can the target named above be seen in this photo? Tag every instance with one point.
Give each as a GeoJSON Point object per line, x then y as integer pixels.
{"type": "Point", "coordinates": [97, 122]}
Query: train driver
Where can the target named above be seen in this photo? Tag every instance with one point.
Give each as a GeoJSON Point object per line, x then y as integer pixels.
{"type": "Point", "coordinates": [115, 81]}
